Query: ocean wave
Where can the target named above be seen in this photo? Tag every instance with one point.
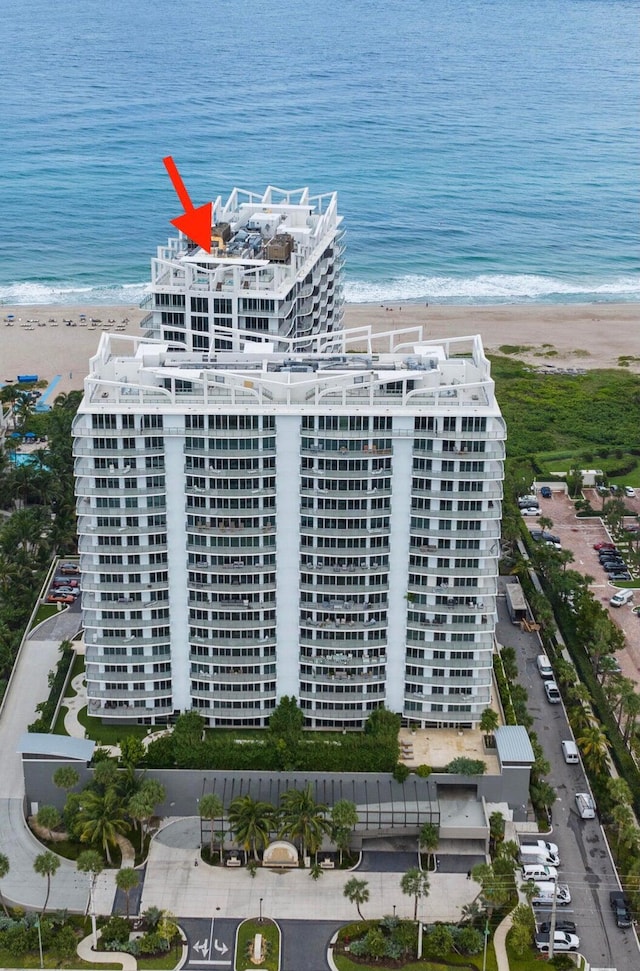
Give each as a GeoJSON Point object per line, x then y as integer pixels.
{"type": "Point", "coordinates": [32, 292]}
{"type": "Point", "coordinates": [482, 288]}
{"type": "Point", "coordinates": [490, 288]}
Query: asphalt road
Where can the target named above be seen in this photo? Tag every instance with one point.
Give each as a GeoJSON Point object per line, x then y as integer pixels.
{"type": "Point", "coordinates": [585, 863]}
{"type": "Point", "coordinates": [305, 943]}
{"type": "Point", "coordinates": [211, 942]}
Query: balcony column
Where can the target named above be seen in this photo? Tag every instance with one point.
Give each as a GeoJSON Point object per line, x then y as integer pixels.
{"type": "Point", "coordinates": [176, 555]}
{"type": "Point", "coordinates": [399, 562]}
{"type": "Point", "coordinates": [288, 445]}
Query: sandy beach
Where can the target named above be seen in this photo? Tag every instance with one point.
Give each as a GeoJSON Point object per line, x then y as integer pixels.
{"type": "Point", "coordinates": [40, 341]}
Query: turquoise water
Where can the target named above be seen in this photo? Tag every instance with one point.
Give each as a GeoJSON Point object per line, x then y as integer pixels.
{"type": "Point", "coordinates": [482, 151]}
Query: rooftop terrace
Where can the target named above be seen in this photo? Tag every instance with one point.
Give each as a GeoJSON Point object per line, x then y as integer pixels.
{"type": "Point", "coordinates": [411, 371]}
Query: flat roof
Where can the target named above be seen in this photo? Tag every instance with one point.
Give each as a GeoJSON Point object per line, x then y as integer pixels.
{"type": "Point", "coordinates": [34, 744]}
{"type": "Point", "coordinates": [513, 745]}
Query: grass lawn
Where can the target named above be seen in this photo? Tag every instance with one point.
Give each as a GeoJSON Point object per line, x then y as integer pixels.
{"type": "Point", "coordinates": [246, 933]}
{"type": "Point", "coordinates": [32, 960]}
{"type": "Point", "coordinates": [165, 963]}
{"type": "Point", "coordinates": [344, 964]}
{"type": "Point", "coordinates": [108, 734]}
{"type": "Point", "coordinates": [44, 612]}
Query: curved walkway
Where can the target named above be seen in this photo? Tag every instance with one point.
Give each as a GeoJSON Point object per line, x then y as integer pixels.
{"type": "Point", "coordinates": [500, 943]}
{"type": "Point", "coordinates": [86, 952]}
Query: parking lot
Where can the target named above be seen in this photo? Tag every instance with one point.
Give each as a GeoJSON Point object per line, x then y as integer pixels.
{"type": "Point", "coordinates": [579, 536]}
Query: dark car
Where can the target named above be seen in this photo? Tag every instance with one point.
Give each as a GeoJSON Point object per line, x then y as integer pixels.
{"type": "Point", "coordinates": [67, 581]}
{"type": "Point", "coordinates": [550, 538]}
{"type": "Point", "coordinates": [623, 575]}
{"type": "Point", "coordinates": [620, 907]}
{"type": "Point", "coordinates": [70, 568]}
{"type": "Point", "coordinates": [536, 535]}
{"type": "Point", "coordinates": [561, 925]}
{"type": "Point", "coordinates": [545, 492]}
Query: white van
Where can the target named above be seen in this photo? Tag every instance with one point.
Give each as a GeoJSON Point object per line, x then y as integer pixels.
{"type": "Point", "coordinates": [545, 893]}
{"type": "Point", "coordinates": [537, 871]}
{"type": "Point", "coordinates": [535, 855]}
{"type": "Point", "coordinates": [570, 752]}
{"type": "Point", "coordinates": [544, 666]}
{"type": "Point", "coordinates": [585, 805]}
{"type": "Point", "coordinates": [621, 598]}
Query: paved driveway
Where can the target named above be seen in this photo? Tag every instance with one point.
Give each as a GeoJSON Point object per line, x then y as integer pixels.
{"type": "Point", "coordinates": [586, 866]}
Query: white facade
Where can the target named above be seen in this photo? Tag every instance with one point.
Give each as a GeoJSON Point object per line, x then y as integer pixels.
{"type": "Point", "coordinates": [274, 269]}
{"type": "Point", "coordinates": [319, 525]}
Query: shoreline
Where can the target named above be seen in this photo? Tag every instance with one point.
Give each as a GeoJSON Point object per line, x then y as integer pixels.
{"type": "Point", "coordinates": [38, 340]}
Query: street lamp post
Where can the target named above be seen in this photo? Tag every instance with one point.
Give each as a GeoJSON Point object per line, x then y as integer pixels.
{"type": "Point", "coordinates": [260, 918]}
{"type": "Point", "coordinates": [94, 930]}
{"type": "Point", "coordinates": [40, 942]}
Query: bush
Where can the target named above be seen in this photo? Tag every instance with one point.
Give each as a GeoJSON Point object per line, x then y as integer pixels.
{"type": "Point", "coordinates": [116, 930]}
{"type": "Point", "coordinates": [46, 709]}
{"type": "Point", "coordinates": [424, 771]}
{"type": "Point", "coordinates": [401, 772]}
{"type": "Point", "coordinates": [465, 766]}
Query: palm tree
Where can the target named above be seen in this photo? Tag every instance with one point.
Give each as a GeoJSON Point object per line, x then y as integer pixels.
{"type": "Point", "coordinates": [101, 819]}
{"type": "Point", "coordinates": [211, 808]}
{"type": "Point", "coordinates": [594, 748]}
{"type": "Point", "coordinates": [415, 883]}
{"type": "Point", "coordinates": [66, 777]}
{"type": "Point", "coordinates": [46, 864]}
{"type": "Point", "coordinates": [126, 879]}
{"type": "Point", "coordinates": [251, 821]}
{"type": "Point", "coordinates": [5, 866]}
{"type": "Point", "coordinates": [48, 818]}
{"type": "Point", "coordinates": [429, 839]}
{"type": "Point", "coordinates": [304, 819]}
{"type": "Point", "coordinates": [91, 862]}
{"type": "Point", "coordinates": [489, 721]}
{"type": "Point", "coordinates": [357, 892]}
{"type": "Point", "coordinates": [140, 807]}
{"type": "Point", "coordinates": [344, 816]}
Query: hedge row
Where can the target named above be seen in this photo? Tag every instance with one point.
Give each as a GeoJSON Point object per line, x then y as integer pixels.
{"type": "Point", "coordinates": [47, 709]}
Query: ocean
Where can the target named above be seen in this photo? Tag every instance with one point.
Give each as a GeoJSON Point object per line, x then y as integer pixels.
{"type": "Point", "coordinates": [484, 151]}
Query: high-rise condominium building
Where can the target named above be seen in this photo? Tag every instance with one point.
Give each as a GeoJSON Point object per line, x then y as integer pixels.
{"type": "Point", "coordinates": [274, 269]}
{"type": "Point", "coordinates": [322, 525]}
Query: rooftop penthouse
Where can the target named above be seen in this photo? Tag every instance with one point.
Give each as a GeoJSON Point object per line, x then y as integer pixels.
{"type": "Point", "coordinates": [274, 267]}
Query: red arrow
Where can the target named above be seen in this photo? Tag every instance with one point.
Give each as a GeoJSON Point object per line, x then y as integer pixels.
{"type": "Point", "coordinates": [194, 223]}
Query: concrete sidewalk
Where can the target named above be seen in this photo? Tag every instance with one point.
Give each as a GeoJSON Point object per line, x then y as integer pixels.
{"type": "Point", "coordinates": [173, 881]}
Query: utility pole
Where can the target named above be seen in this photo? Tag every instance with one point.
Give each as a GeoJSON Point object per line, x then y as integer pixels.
{"type": "Point", "coordinates": [93, 912]}
{"type": "Point", "coordinates": [486, 941]}
{"type": "Point", "coordinates": [552, 929]}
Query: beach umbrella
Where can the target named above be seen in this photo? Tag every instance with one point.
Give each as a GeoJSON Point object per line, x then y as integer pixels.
{"type": "Point", "coordinates": [30, 435]}
{"type": "Point", "coordinates": [16, 435]}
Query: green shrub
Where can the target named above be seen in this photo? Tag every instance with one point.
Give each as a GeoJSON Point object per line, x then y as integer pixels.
{"type": "Point", "coordinates": [401, 772]}
{"type": "Point", "coordinates": [424, 771]}
{"type": "Point", "coordinates": [465, 766]}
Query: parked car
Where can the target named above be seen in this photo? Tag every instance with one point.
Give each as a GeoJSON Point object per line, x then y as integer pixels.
{"type": "Point", "coordinates": [60, 598]}
{"type": "Point", "coordinates": [585, 805]}
{"type": "Point", "coordinates": [545, 492]}
{"type": "Point", "coordinates": [614, 490]}
{"type": "Point", "coordinates": [621, 908]}
{"type": "Point", "coordinates": [567, 926]}
{"type": "Point", "coordinates": [621, 576]}
{"type": "Point", "coordinates": [527, 501]}
{"type": "Point", "coordinates": [532, 511]}
{"type": "Point", "coordinates": [67, 581]}
{"type": "Point", "coordinates": [552, 692]}
{"type": "Point", "coordinates": [630, 492]}
{"type": "Point", "coordinates": [550, 537]}
{"type": "Point", "coordinates": [544, 666]}
{"type": "Point", "coordinates": [67, 591]}
{"type": "Point", "coordinates": [631, 529]}
{"type": "Point", "coordinates": [562, 941]}
{"type": "Point", "coordinates": [604, 546]}
{"type": "Point", "coordinates": [536, 535]}
{"type": "Point", "coordinates": [71, 568]}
